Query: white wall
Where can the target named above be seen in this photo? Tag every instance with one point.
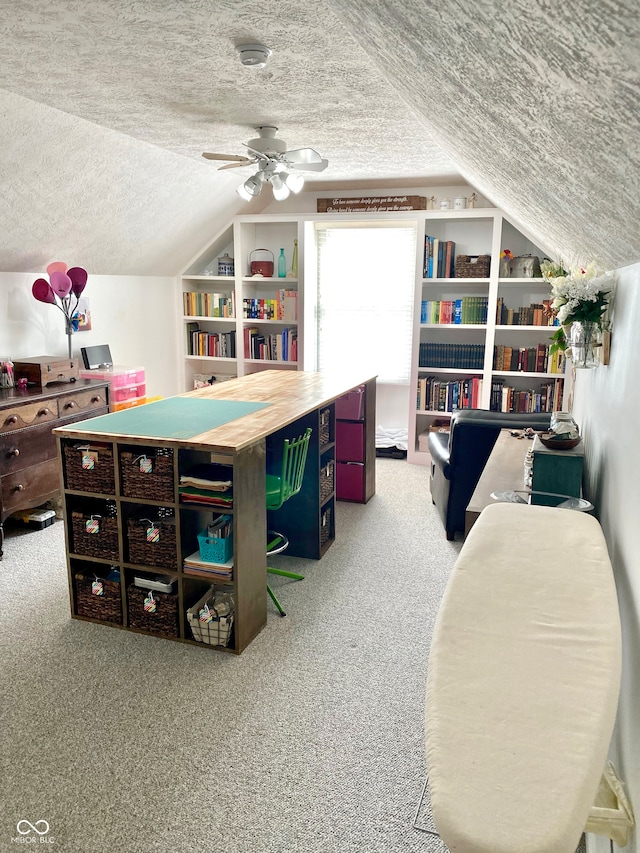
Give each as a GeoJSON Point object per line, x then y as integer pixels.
{"type": "Point", "coordinates": [135, 315]}
{"type": "Point", "coordinates": [607, 407]}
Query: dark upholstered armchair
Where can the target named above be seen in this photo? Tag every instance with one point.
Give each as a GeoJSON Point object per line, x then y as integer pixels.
{"type": "Point", "coordinates": [458, 458]}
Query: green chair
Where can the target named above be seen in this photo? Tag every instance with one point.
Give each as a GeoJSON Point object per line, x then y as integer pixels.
{"type": "Point", "coordinates": [279, 489]}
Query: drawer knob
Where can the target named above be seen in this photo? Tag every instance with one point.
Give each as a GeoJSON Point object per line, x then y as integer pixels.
{"type": "Point", "coordinates": [44, 411]}
{"type": "Point", "coordinates": [14, 452]}
{"type": "Point", "coordinates": [70, 405]}
{"type": "Point", "coordinates": [19, 488]}
{"type": "Point", "coordinates": [12, 420]}
{"type": "Point", "coordinates": [95, 400]}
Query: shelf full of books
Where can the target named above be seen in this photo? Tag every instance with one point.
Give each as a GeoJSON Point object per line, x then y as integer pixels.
{"type": "Point", "coordinates": [210, 344]}
{"type": "Point", "coordinates": [464, 311]}
{"type": "Point", "coordinates": [278, 346]}
{"type": "Point", "coordinates": [437, 395]}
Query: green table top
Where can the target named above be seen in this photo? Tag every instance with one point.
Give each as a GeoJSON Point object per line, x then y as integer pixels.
{"type": "Point", "coordinates": [175, 417]}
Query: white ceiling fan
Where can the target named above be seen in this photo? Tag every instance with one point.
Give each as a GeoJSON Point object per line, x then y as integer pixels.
{"type": "Point", "coordinates": [274, 163]}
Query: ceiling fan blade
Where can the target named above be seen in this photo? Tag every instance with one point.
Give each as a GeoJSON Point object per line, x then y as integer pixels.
{"type": "Point", "coordinates": [257, 153]}
{"type": "Point", "coordinates": [236, 165]}
{"type": "Point", "coordinates": [234, 158]}
{"type": "Point", "coordinates": [303, 155]}
{"type": "Point", "coordinates": [310, 167]}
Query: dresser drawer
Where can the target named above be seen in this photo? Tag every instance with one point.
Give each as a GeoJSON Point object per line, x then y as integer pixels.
{"type": "Point", "coordinates": [21, 449]}
{"type": "Point", "coordinates": [30, 486]}
{"type": "Point", "coordinates": [82, 402]}
{"type": "Point", "coordinates": [30, 414]}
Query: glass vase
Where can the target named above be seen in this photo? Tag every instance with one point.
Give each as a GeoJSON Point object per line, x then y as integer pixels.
{"type": "Point", "coordinates": [584, 344]}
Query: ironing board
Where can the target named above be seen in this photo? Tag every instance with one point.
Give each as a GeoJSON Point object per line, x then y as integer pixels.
{"type": "Point", "coordinates": [523, 682]}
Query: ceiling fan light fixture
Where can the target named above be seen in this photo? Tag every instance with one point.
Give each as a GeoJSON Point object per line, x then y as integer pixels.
{"type": "Point", "coordinates": [294, 182]}
{"type": "Point", "coordinates": [280, 189]}
{"type": "Point", "coordinates": [251, 187]}
{"type": "Point", "coordinates": [253, 55]}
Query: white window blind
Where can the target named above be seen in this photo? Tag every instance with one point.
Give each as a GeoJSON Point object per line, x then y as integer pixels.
{"type": "Point", "coordinates": [366, 277]}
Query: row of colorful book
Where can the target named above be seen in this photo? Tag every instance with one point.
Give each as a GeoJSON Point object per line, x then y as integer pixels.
{"type": "Point", "coordinates": [284, 307]}
{"type": "Point", "coordinates": [197, 304]}
{"type": "Point", "coordinates": [468, 309]}
{"type": "Point", "coordinates": [535, 359]}
{"type": "Point", "coordinates": [276, 347]}
{"type": "Point", "coordinates": [439, 258]}
{"type": "Point", "coordinates": [463, 356]}
{"type": "Point", "coordinates": [535, 314]}
{"type": "Point", "coordinates": [215, 344]}
{"type": "Point", "coordinates": [436, 395]}
{"type": "Point", "coordinates": [547, 398]}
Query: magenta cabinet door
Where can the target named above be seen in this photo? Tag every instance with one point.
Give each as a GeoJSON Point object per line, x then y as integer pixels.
{"type": "Point", "coordinates": [349, 442]}
{"type": "Point", "coordinates": [350, 481]}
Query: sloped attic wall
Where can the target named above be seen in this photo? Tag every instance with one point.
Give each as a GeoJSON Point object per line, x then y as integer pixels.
{"type": "Point", "coordinates": [78, 192]}
{"type": "Point", "coordinates": [538, 103]}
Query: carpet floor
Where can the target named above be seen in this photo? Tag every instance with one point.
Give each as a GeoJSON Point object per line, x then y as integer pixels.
{"type": "Point", "coordinates": [311, 740]}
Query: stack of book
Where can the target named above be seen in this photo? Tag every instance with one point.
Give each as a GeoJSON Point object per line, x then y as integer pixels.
{"type": "Point", "coordinates": [439, 258]}
{"type": "Point", "coordinates": [195, 565]}
{"type": "Point", "coordinates": [282, 346]}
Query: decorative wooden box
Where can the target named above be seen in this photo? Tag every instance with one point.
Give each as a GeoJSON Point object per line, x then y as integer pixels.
{"type": "Point", "coordinates": [43, 370]}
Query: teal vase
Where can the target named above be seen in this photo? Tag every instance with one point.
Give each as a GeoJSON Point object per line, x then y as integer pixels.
{"type": "Point", "coordinates": [282, 265]}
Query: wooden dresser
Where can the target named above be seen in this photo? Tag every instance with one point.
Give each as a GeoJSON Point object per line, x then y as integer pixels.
{"type": "Point", "coordinates": [29, 469]}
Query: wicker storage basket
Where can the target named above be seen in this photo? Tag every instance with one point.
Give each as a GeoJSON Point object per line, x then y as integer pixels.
{"type": "Point", "coordinates": [95, 535]}
{"type": "Point", "coordinates": [325, 425]}
{"type": "Point", "coordinates": [89, 468]}
{"type": "Point", "coordinates": [155, 484]}
{"type": "Point", "coordinates": [155, 548]}
{"type": "Point", "coordinates": [163, 621]}
{"type": "Point", "coordinates": [325, 526]}
{"type": "Point", "coordinates": [217, 632]}
{"type": "Point", "coordinates": [107, 607]}
{"type": "Point", "coordinates": [327, 479]}
{"type": "Point", "coordinates": [472, 266]}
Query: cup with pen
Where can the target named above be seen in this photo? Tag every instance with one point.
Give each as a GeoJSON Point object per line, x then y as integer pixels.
{"type": "Point", "coordinates": [6, 372]}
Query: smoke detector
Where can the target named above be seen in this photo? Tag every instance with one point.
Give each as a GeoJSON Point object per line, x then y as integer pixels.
{"type": "Point", "coordinates": [253, 55]}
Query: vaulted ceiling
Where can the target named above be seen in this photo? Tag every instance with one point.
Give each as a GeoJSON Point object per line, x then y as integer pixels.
{"type": "Point", "coordinates": [106, 107]}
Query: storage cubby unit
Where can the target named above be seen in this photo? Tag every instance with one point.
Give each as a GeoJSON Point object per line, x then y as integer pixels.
{"type": "Point", "coordinates": [480, 340]}
{"type": "Point", "coordinates": [129, 550]}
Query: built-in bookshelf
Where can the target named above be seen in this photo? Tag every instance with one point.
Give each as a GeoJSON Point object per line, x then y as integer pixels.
{"type": "Point", "coordinates": [243, 322]}
{"type": "Point", "coordinates": [481, 340]}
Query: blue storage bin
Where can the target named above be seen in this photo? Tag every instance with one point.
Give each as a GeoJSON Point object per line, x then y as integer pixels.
{"type": "Point", "coordinates": [215, 550]}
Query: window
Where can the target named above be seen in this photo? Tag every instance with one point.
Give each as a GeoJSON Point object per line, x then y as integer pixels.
{"type": "Point", "coordinates": [366, 276]}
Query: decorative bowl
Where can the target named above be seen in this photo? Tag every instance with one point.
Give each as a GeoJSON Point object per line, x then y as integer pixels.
{"type": "Point", "coordinates": [554, 443]}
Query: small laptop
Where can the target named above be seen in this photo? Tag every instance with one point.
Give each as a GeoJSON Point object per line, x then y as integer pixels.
{"type": "Point", "coordinates": [96, 357]}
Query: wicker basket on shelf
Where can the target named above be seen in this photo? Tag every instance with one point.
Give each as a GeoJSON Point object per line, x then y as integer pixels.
{"type": "Point", "coordinates": [472, 266]}
{"type": "Point", "coordinates": [325, 425]}
{"type": "Point", "coordinates": [148, 474]}
{"type": "Point", "coordinates": [97, 598]}
{"type": "Point", "coordinates": [325, 526]}
{"type": "Point", "coordinates": [152, 542]}
{"type": "Point", "coordinates": [89, 468]}
{"type": "Point", "coordinates": [327, 475]}
{"type": "Point", "coordinates": [95, 535]}
{"type": "Point", "coordinates": [163, 620]}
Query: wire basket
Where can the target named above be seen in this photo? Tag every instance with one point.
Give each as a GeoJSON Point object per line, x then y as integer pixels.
{"type": "Point", "coordinates": [89, 468]}
{"type": "Point", "coordinates": [163, 620]}
{"type": "Point", "coordinates": [217, 630]}
{"type": "Point", "coordinates": [327, 480]}
{"type": "Point", "coordinates": [152, 542]}
{"type": "Point", "coordinates": [95, 535]}
{"type": "Point", "coordinates": [472, 266]}
{"type": "Point", "coordinates": [148, 474]}
{"type": "Point", "coordinates": [97, 598]}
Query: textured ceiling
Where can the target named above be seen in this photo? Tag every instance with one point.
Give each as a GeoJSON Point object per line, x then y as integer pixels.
{"type": "Point", "coordinates": [106, 106]}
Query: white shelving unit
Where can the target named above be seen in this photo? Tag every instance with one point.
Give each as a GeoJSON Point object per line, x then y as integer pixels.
{"type": "Point", "coordinates": [235, 358]}
{"type": "Point", "coordinates": [482, 231]}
